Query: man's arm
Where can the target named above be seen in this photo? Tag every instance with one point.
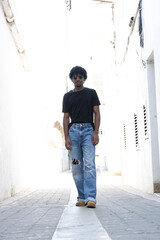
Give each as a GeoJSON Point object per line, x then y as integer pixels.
{"type": "Point", "coordinates": [66, 131]}
{"type": "Point", "coordinates": [95, 138]}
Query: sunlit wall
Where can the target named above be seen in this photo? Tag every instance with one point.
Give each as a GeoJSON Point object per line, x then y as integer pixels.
{"type": "Point", "coordinates": [44, 27]}
{"type": "Point", "coordinates": [138, 94]}
{"type": "Point", "coordinates": [31, 150]}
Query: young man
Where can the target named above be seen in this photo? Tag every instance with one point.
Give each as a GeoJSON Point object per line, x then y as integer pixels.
{"type": "Point", "coordinates": [81, 135]}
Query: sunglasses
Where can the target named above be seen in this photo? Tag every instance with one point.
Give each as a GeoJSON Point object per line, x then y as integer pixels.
{"type": "Point", "coordinates": [77, 76]}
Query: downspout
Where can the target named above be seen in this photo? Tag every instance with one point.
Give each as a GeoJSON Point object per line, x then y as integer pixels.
{"type": "Point", "coordinates": [8, 13]}
{"type": "Point", "coordinates": [114, 29]}
{"type": "Point", "coordinates": [114, 34]}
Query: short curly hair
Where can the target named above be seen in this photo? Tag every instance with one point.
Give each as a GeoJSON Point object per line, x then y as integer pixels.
{"type": "Point", "coordinates": [78, 70]}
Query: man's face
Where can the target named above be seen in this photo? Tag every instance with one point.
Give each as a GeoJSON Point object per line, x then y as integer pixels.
{"type": "Point", "coordinates": [78, 80]}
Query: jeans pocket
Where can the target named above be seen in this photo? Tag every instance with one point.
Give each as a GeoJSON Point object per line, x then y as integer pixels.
{"type": "Point", "coordinates": [71, 129]}
{"type": "Point", "coordinates": [90, 129]}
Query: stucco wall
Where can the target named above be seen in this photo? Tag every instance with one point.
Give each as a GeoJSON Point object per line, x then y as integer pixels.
{"type": "Point", "coordinates": [139, 168]}
{"type": "Point", "coordinates": [32, 101]}
{"type": "Point", "coordinates": [152, 38]}
{"type": "Point", "coordinates": [10, 71]}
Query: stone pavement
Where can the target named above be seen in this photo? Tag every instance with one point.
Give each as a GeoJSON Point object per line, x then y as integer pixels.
{"type": "Point", "coordinates": [122, 213]}
{"type": "Point", "coordinates": [34, 214]}
{"type": "Point", "coordinates": [128, 214]}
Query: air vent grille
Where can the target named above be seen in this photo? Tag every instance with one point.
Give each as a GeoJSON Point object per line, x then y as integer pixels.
{"type": "Point", "coordinates": [124, 135]}
{"type": "Point", "coordinates": [145, 122]}
{"type": "Point", "coordinates": [136, 131]}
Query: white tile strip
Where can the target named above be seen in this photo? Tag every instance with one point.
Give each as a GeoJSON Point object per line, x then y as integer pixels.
{"type": "Point", "coordinates": [79, 223]}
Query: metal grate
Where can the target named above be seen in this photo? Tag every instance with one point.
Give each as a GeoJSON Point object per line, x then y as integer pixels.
{"type": "Point", "coordinates": [124, 135]}
{"type": "Point", "coordinates": [145, 122]}
{"type": "Point", "coordinates": [136, 131]}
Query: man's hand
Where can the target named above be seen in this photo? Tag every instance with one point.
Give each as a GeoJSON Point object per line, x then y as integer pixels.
{"type": "Point", "coordinates": [68, 144]}
{"type": "Point", "coordinates": [95, 138]}
{"type": "Point", "coordinates": [66, 131]}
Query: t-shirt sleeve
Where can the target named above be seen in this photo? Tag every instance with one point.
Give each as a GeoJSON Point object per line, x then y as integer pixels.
{"type": "Point", "coordinates": [95, 99]}
{"type": "Point", "coordinates": [65, 105]}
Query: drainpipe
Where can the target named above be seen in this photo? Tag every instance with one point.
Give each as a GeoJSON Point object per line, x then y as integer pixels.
{"type": "Point", "coordinates": [8, 13]}
{"type": "Point", "coordinates": [114, 29]}
{"type": "Point", "coordinates": [114, 34]}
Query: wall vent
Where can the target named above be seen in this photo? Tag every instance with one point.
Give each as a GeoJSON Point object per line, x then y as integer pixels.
{"type": "Point", "coordinates": [145, 122]}
{"type": "Point", "coordinates": [136, 131]}
{"type": "Point", "coordinates": [124, 135]}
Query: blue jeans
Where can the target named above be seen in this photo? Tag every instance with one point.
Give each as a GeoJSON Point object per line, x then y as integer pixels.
{"type": "Point", "coordinates": [82, 156]}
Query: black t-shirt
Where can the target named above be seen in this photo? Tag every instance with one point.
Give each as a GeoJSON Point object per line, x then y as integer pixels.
{"type": "Point", "coordinates": [80, 104]}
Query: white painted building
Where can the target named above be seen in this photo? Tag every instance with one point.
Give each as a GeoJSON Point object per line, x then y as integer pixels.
{"type": "Point", "coordinates": [31, 101]}
{"type": "Point", "coordinates": [12, 131]}
{"type": "Point", "coordinates": [137, 98]}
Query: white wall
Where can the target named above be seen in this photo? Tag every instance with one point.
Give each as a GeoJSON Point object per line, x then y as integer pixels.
{"type": "Point", "coordinates": [30, 102]}
{"type": "Point", "coordinates": [152, 54]}
{"type": "Point", "coordinates": [152, 35]}
{"type": "Point", "coordinates": [10, 72]}
{"type": "Point", "coordinates": [140, 168]}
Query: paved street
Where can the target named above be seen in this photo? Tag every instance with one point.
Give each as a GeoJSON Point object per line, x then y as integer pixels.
{"type": "Point", "coordinates": [127, 214]}
{"type": "Point", "coordinates": [122, 213]}
{"type": "Point", "coordinates": [32, 214]}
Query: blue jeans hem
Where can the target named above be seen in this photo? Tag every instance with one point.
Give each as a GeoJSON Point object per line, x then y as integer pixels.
{"type": "Point", "coordinates": [80, 199]}
{"type": "Point", "coordinates": [90, 199]}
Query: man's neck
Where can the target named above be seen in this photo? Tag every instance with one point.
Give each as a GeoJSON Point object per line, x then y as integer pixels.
{"type": "Point", "coordinates": [77, 89]}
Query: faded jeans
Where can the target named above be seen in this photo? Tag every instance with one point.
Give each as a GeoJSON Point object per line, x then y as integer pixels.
{"type": "Point", "coordinates": [82, 156]}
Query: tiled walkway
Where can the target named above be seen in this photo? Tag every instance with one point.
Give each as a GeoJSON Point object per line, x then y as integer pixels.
{"type": "Point", "coordinates": [122, 213]}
